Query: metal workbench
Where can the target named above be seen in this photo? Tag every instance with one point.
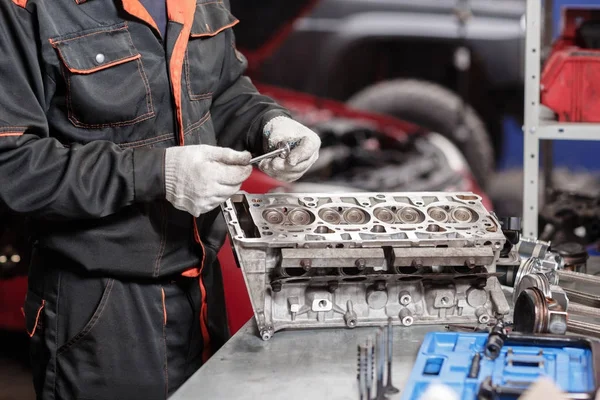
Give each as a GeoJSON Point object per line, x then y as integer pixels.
{"type": "Point", "coordinates": [307, 364]}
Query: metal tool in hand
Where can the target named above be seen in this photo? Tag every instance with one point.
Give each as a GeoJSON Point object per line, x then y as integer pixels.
{"type": "Point", "coordinates": [283, 149]}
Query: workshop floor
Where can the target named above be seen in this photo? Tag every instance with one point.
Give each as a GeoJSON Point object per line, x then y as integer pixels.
{"type": "Point", "coordinates": [15, 375]}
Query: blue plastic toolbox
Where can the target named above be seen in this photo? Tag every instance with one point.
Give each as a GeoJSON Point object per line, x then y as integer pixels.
{"type": "Point", "coordinates": [446, 357]}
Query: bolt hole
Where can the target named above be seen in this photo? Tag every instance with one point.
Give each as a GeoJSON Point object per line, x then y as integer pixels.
{"type": "Point", "coordinates": [444, 300]}
{"type": "Point", "coordinates": [533, 156]}
{"type": "Point", "coordinates": [323, 303]}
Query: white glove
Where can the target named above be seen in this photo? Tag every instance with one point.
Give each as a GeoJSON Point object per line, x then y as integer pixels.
{"type": "Point", "coordinates": [199, 178]}
{"type": "Point", "coordinates": [305, 149]}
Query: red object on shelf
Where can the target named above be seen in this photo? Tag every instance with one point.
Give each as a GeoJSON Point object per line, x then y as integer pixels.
{"type": "Point", "coordinates": [570, 80]}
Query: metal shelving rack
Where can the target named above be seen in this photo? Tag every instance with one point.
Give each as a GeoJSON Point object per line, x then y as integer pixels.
{"type": "Point", "coordinates": [536, 130]}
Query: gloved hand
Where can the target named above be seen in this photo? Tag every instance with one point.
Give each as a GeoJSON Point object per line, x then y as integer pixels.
{"type": "Point", "coordinates": [199, 178]}
{"type": "Point", "coordinates": [304, 153]}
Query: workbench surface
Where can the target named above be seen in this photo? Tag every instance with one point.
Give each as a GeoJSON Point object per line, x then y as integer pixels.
{"type": "Point", "coordinates": [301, 364]}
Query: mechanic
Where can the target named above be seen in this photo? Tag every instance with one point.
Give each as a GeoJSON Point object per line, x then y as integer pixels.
{"type": "Point", "coordinates": [123, 126]}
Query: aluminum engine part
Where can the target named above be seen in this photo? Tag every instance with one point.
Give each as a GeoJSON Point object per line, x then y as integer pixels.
{"type": "Point", "coordinates": [540, 281]}
{"type": "Point", "coordinates": [346, 260]}
{"type": "Point", "coordinates": [536, 313]}
{"type": "Point", "coordinates": [550, 266]}
{"type": "Point", "coordinates": [530, 247]}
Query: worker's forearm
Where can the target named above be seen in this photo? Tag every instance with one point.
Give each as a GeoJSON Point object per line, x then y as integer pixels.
{"type": "Point", "coordinates": [240, 113]}
{"type": "Point", "coordinates": [42, 178]}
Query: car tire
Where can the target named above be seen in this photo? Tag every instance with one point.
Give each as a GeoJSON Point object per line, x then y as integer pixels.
{"type": "Point", "coordinates": [436, 108]}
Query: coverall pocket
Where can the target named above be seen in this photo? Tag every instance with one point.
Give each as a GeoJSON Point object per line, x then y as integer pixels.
{"type": "Point", "coordinates": [207, 47]}
{"type": "Point", "coordinates": [119, 352]}
{"type": "Point", "coordinates": [105, 80]}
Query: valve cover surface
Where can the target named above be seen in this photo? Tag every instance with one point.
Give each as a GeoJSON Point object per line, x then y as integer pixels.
{"type": "Point", "coordinates": [347, 260]}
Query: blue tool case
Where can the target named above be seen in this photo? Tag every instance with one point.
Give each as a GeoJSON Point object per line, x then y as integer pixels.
{"type": "Point", "coordinates": [447, 357]}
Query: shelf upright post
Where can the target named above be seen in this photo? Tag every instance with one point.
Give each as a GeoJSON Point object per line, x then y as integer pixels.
{"type": "Point", "coordinates": [531, 166]}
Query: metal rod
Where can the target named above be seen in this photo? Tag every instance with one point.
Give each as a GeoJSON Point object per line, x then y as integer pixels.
{"type": "Point", "coordinates": [580, 309]}
{"type": "Point", "coordinates": [587, 299]}
{"type": "Point", "coordinates": [531, 160]}
{"type": "Point", "coordinates": [577, 277]}
{"type": "Point", "coordinates": [583, 328]}
{"type": "Point", "coordinates": [282, 151]}
{"type": "Point", "coordinates": [362, 372]}
{"type": "Point", "coordinates": [370, 367]}
{"type": "Point", "coordinates": [380, 349]}
{"type": "Point", "coordinates": [389, 388]}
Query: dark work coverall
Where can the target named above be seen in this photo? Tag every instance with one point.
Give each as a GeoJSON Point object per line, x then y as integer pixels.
{"type": "Point", "coordinates": [125, 296]}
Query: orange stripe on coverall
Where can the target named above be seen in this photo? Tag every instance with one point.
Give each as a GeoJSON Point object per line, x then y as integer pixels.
{"type": "Point", "coordinates": [182, 11]}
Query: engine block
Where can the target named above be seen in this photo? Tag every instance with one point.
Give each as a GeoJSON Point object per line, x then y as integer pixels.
{"type": "Point", "coordinates": [356, 259]}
